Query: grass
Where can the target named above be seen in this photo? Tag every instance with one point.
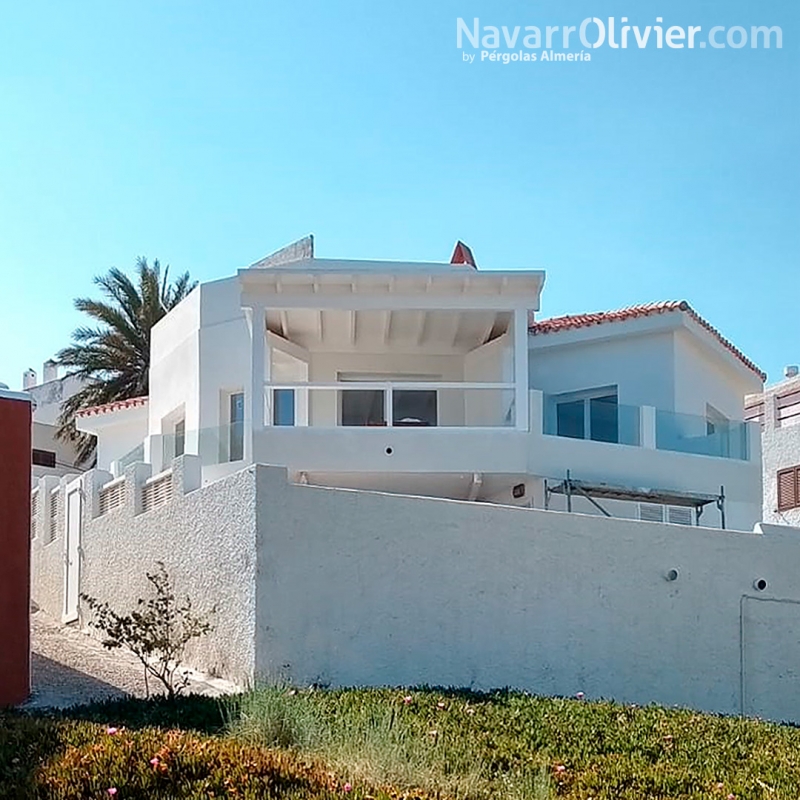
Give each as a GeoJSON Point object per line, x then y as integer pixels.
{"type": "Point", "coordinates": [423, 743]}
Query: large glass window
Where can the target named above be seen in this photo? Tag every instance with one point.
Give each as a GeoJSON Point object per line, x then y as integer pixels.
{"type": "Point", "coordinates": [591, 416]}
{"type": "Point", "coordinates": [362, 407]}
{"type": "Point", "coordinates": [236, 427]}
{"type": "Point", "coordinates": [283, 407]}
{"type": "Point", "coordinates": [414, 407]}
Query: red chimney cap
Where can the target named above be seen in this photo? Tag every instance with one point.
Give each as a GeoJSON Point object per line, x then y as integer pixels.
{"type": "Point", "coordinates": [463, 255]}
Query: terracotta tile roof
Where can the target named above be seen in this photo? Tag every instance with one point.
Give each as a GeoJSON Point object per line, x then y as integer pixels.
{"type": "Point", "coordinates": [134, 402]}
{"type": "Point", "coordinates": [645, 310]}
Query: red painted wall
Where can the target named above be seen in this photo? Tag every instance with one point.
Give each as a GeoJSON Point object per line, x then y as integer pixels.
{"type": "Point", "coordinates": [15, 525]}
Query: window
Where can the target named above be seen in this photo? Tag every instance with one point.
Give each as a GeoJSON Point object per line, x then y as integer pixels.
{"type": "Point", "coordinates": [789, 488]}
{"type": "Point", "coordinates": [283, 407]}
{"type": "Point", "coordinates": [592, 416]}
{"type": "Point", "coordinates": [410, 407]}
{"type": "Point", "coordinates": [180, 438]}
{"type": "Point", "coordinates": [414, 407]}
{"type": "Point", "coordinates": [236, 427]}
{"type": "Point", "coordinates": [363, 407]}
{"type": "Point", "coordinates": [43, 458]}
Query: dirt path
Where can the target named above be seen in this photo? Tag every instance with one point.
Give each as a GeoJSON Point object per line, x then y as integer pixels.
{"type": "Point", "coordinates": [69, 668]}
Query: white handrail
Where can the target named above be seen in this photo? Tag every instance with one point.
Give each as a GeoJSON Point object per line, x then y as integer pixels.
{"type": "Point", "coordinates": [394, 385]}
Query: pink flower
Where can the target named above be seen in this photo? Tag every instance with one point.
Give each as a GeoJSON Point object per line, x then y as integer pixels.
{"type": "Point", "coordinates": [720, 786]}
{"type": "Point", "coordinates": [560, 768]}
{"type": "Point", "coordinates": [731, 796]}
{"type": "Point", "coordinates": [407, 699]}
{"type": "Point", "coordinates": [112, 791]}
{"type": "Point", "coordinates": [154, 761]}
{"type": "Point", "coordinates": [112, 732]}
{"type": "Point", "coordinates": [347, 787]}
{"type": "Point", "coordinates": [580, 695]}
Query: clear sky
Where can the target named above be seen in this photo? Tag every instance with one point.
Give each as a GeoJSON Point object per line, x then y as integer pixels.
{"type": "Point", "coordinates": [209, 134]}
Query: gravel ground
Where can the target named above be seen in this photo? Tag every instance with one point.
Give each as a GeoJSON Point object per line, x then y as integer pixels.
{"type": "Point", "coordinates": [69, 667]}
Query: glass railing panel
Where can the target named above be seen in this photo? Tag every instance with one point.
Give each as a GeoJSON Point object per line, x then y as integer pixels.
{"type": "Point", "coordinates": [594, 419]}
{"type": "Point", "coordinates": [695, 434]}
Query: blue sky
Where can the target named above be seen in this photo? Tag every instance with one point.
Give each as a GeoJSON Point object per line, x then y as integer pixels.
{"type": "Point", "coordinates": [209, 134]}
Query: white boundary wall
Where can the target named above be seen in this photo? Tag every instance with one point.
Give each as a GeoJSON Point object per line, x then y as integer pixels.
{"type": "Point", "coordinates": [344, 587]}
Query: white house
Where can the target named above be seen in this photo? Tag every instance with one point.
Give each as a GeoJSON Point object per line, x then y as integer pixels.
{"type": "Point", "coordinates": [438, 379]}
{"type": "Point", "coordinates": [777, 411]}
{"type": "Point", "coordinates": [50, 455]}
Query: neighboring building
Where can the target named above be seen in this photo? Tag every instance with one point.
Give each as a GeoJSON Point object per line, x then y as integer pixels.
{"type": "Point", "coordinates": [51, 455]}
{"type": "Point", "coordinates": [777, 411]}
{"type": "Point", "coordinates": [437, 379]}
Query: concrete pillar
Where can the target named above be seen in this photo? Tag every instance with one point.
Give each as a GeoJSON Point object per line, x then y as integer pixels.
{"type": "Point", "coordinates": [187, 474]}
{"type": "Point", "coordinates": [255, 392]}
{"type": "Point", "coordinates": [536, 411]}
{"type": "Point", "coordinates": [135, 477]}
{"type": "Point", "coordinates": [521, 368]}
{"type": "Point", "coordinates": [647, 427]}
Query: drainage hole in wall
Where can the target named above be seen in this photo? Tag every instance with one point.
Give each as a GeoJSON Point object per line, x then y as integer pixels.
{"type": "Point", "coordinates": [672, 575]}
{"type": "Point", "coordinates": [759, 584]}
{"type": "Point", "coordinates": [389, 451]}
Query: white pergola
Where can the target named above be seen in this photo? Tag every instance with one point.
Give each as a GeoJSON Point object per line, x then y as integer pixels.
{"type": "Point", "coordinates": [342, 306]}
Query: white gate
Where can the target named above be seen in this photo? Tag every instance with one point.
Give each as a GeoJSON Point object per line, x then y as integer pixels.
{"type": "Point", "coordinates": [72, 549]}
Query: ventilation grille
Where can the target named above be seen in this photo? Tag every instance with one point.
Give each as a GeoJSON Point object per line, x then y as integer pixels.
{"type": "Point", "coordinates": [675, 515]}
{"type": "Point", "coordinates": [34, 512]}
{"type": "Point", "coordinates": [55, 502]}
{"type": "Point", "coordinates": [679, 515]}
{"type": "Point", "coordinates": [112, 496]}
{"type": "Point", "coordinates": [157, 492]}
{"type": "Point", "coordinates": [650, 512]}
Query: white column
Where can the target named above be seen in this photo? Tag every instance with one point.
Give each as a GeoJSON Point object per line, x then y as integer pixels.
{"type": "Point", "coordinates": [647, 427]}
{"type": "Point", "coordinates": [521, 368]}
{"type": "Point", "coordinates": [254, 393]}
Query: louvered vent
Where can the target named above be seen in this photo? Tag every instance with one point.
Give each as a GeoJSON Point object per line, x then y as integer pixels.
{"type": "Point", "coordinates": [788, 408]}
{"type": "Point", "coordinates": [679, 515]}
{"type": "Point", "coordinates": [650, 512]}
{"type": "Point", "coordinates": [34, 512]}
{"type": "Point", "coordinates": [112, 496]}
{"type": "Point", "coordinates": [788, 488]}
{"type": "Point", "coordinates": [55, 501]}
{"type": "Point", "coordinates": [157, 491]}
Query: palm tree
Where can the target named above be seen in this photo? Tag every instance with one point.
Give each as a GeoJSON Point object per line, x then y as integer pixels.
{"type": "Point", "coordinates": [113, 358]}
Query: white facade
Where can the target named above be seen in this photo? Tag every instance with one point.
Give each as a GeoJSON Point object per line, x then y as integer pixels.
{"type": "Point", "coordinates": [51, 455]}
{"type": "Point", "coordinates": [777, 410]}
{"type": "Point", "coordinates": [426, 379]}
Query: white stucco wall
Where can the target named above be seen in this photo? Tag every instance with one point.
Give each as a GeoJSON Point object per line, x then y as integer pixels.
{"type": "Point", "coordinates": [639, 364]}
{"type": "Point", "coordinates": [205, 538]}
{"type": "Point", "coordinates": [703, 377]}
{"type": "Point", "coordinates": [174, 363]}
{"type": "Point", "coordinates": [360, 588]}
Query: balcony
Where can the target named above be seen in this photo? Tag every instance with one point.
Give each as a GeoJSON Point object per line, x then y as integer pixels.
{"type": "Point", "coordinates": [602, 419]}
{"type": "Point", "coordinates": [392, 404]}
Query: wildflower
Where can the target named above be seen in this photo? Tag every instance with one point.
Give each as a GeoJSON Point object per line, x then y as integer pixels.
{"type": "Point", "coordinates": [731, 796]}
{"type": "Point", "coordinates": [154, 761]}
{"type": "Point", "coordinates": [580, 695]}
{"type": "Point", "coordinates": [560, 768]}
{"type": "Point", "coordinates": [112, 732]}
{"type": "Point", "coordinates": [407, 699]}
{"type": "Point", "coordinates": [440, 705]}
{"type": "Point", "coordinates": [720, 786]}
{"type": "Point", "coordinates": [112, 790]}
{"type": "Point", "coordinates": [348, 787]}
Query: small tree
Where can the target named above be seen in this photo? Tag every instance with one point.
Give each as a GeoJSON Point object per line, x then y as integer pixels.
{"type": "Point", "coordinates": [157, 632]}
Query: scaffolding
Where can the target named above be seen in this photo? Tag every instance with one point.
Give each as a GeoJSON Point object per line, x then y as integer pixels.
{"type": "Point", "coordinates": [569, 487]}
